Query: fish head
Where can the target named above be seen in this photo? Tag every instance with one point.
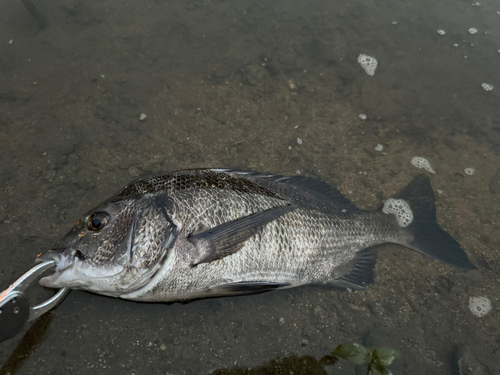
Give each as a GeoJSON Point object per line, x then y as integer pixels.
{"type": "Point", "coordinates": [114, 248]}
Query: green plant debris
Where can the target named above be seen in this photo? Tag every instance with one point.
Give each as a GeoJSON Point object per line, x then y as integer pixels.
{"type": "Point", "coordinates": [377, 359]}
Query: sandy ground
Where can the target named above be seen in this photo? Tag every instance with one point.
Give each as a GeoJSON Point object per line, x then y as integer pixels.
{"type": "Point", "coordinates": [237, 84]}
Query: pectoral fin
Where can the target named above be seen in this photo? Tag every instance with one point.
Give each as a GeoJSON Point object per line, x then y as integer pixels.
{"type": "Point", "coordinates": [228, 238]}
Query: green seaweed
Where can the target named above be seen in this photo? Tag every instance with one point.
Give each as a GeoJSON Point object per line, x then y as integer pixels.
{"type": "Point", "coordinates": [377, 359]}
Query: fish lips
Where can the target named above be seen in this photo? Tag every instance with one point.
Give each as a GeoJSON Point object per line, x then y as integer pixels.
{"type": "Point", "coordinates": [64, 260]}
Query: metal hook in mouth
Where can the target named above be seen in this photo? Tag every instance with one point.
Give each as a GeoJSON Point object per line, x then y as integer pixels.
{"type": "Point", "coordinates": [21, 284]}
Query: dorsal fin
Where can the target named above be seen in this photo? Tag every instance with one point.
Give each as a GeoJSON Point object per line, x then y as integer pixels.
{"type": "Point", "coordinates": [319, 188]}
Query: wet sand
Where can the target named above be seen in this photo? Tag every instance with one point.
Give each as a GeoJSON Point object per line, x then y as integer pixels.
{"type": "Point", "coordinates": [236, 85]}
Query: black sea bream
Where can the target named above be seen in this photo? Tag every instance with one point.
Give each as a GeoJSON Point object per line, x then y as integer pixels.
{"type": "Point", "coordinates": [214, 232]}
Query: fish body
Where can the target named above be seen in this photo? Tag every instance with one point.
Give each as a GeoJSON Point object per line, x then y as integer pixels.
{"type": "Point", "coordinates": [213, 232]}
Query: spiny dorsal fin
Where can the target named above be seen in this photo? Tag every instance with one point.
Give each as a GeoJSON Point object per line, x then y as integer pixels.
{"type": "Point", "coordinates": [319, 189]}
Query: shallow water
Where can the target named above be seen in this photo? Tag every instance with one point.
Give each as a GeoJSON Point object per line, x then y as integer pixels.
{"type": "Point", "coordinates": [236, 84]}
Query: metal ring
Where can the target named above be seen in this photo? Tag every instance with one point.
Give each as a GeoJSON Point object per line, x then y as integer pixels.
{"type": "Point", "coordinates": [25, 280]}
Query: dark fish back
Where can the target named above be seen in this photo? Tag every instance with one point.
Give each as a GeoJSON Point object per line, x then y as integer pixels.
{"type": "Point", "coordinates": [173, 182]}
{"type": "Point", "coordinates": [301, 191]}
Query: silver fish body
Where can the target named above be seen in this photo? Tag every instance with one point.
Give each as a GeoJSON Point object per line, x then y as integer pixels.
{"type": "Point", "coordinates": [211, 232]}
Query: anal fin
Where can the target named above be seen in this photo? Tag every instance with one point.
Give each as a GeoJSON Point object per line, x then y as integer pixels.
{"type": "Point", "coordinates": [359, 272]}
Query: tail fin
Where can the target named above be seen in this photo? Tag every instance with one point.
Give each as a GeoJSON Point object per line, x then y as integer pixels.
{"type": "Point", "coordinates": [427, 236]}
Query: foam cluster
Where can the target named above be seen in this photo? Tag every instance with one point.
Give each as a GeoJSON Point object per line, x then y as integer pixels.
{"type": "Point", "coordinates": [422, 163]}
{"type": "Point", "coordinates": [399, 208]}
{"type": "Point", "coordinates": [479, 306]}
{"type": "Point", "coordinates": [441, 32]}
{"type": "Point", "coordinates": [487, 86]}
{"type": "Point", "coordinates": [469, 171]}
{"type": "Point", "coordinates": [472, 30]}
{"type": "Point", "coordinates": [368, 63]}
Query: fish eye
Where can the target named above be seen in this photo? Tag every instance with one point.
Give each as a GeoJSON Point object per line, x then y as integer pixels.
{"type": "Point", "coordinates": [97, 221]}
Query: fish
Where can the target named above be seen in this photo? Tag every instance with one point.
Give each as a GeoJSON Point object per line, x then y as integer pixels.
{"type": "Point", "coordinates": [203, 233]}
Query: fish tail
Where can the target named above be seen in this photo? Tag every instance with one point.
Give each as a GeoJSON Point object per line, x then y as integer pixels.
{"type": "Point", "coordinates": [421, 232]}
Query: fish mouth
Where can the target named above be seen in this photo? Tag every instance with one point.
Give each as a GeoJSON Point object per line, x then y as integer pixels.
{"type": "Point", "coordinates": [73, 272]}
{"type": "Point", "coordinates": [65, 262]}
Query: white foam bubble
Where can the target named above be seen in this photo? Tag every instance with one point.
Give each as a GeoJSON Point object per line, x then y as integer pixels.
{"type": "Point", "coordinates": [422, 163]}
{"type": "Point", "coordinates": [299, 141]}
{"type": "Point", "coordinates": [487, 86]}
{"type": "Point", "coordinates": [472, 30]}
{"type": "Point", "coordinates": [441, 32]}
{"type": "Point", "coordinates": [469, 171]}
{"type": "Point", "coordinates": [399, 208]}
{"type": "Point", "coordinates": [368, 63]}
{"type": "Point", "coordinates": [479, 306]}
{"type": "Point", "coordinates": [379, 147]}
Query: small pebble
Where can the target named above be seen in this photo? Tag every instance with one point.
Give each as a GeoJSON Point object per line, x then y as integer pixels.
{"type": "Point", "coordinates": [10, 41]}
{"type": "Point", "coordinates": [142, 117]}
{"type": "Point", "coordinates": [362, 116]}
{"type": "Point", "coordinates": [299, 141]}
{"type": "Point", "coordinates": [163, 347]}
{"type": "Point", "coordinates": [281, 321]}
{"type": "Point", "coordinates": [469, 171]}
